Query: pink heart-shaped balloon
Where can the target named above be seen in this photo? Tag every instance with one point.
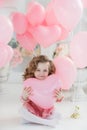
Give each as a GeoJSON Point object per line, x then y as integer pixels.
{"type": "Point", "coordinates": [35, 13]}
{"type": "Point", "coordinates": [43, 90]}
{"type": "Point", "coordinates": [20, 22]}
{"type": "Point", "coordinates": [27, 41]}
{"type": "Point", "coordinates": [46, 35]}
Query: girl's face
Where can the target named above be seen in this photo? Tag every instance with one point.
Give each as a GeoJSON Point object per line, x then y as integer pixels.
{"type": "Point", "coordinates": [42, 71]}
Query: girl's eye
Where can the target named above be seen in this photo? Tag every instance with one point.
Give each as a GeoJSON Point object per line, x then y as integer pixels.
{"type": "Point", "coordinates": [45, 70]}
{"type": "Point", "coordinates": [38, 70]}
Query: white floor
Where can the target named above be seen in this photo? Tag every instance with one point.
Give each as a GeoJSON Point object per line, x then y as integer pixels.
{"type": "Point", "coordinates": [10, 105]}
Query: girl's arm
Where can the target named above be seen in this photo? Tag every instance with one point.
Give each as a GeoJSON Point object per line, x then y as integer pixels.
{"type": "Point", "coordinates": [27, 91]}
{"type": "Point", "coordinates": [58, 95]}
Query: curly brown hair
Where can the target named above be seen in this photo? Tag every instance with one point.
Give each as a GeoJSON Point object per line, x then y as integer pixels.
{"type": "Point", "coordinates": [29, 71]}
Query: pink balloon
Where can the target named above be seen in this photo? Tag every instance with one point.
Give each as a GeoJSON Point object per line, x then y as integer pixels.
{"type": "Point", "coordinates": [64, 33]}
{"type": "Point", "coordinates": [6, 54]}
{"type": "Point", "coordinates": [68, 13]}
{"type": "Point", "coordinates": [26, 41]}
{"type": "Point", "coordinates": [84, 3]}
{"type": "Point", "coordinates": [6, 29]}
{"type": "Point", "coordinates": [78, 49]}
{"type": "Point", "coordinates": [66, 71]}
{"type": "Point", "coordinates": [46, 35]}
{"type": "Point", "coordinates": [20, 22]}
{"type": "Point", "coordinates": [35, 13]}
{"type": "Point", "coordinates": [51, 19]}
{"type": "Point", "coordinates": [1, 3]}
{"type": "Point", "coordinates": [43, 90]}
{"type": "Point", "coordinates": [50, 16]}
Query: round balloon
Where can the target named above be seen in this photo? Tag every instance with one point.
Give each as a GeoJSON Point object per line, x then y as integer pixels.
{"type": "Point", "coordinates": [68, 13]}
{"type": "Point", "coordinates": [84, 3]}
{"type": "Point", "coordinates": [43, 90]}
{"type": "Point", "coordinates": [66, 70]}
{"type": "Point", "coordinates": [78, 49]}
{"type": "Point", "coordinates": [6, 29]}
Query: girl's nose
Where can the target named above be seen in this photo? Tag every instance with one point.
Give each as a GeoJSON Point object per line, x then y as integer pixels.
{"type": "Point", "coordinates": [41, 73]}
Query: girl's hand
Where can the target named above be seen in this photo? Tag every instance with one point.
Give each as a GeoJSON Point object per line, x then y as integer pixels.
{"type": "Point", "coordinates": [58, 95]}
{"type": "Point", "coordinates": [26, 93]}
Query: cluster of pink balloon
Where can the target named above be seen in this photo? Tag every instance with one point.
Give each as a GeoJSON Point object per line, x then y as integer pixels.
{"type": "Point", "coordinates": [6, 33]}
{"type": "Point", "coordinates": [59, 19]}
{"type": "Point", "coordinates": [46, 26]}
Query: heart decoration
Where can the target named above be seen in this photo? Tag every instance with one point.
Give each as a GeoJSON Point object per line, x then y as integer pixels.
{"type": "Point", "coordinates": [43, 90]}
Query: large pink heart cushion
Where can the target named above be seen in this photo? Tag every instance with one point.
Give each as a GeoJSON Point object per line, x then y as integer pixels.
{"type": "Point", "coordinates": [43, 90]}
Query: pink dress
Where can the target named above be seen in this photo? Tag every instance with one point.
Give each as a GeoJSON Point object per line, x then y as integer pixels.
{"type": "Point", "coordinates": [37, 110]}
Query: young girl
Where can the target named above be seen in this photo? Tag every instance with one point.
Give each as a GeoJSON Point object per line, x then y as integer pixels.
{"type": "Point", "coordinates": [40, 68]}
